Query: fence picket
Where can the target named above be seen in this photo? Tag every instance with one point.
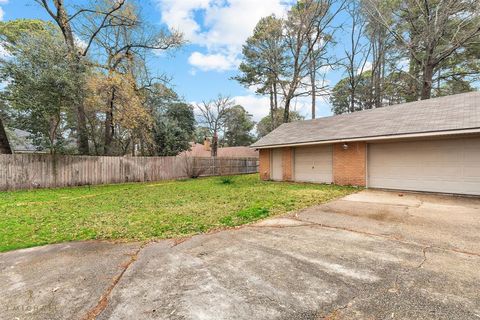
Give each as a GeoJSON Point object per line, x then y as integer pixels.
{"type": "Point", "coordinates": [28, 171]}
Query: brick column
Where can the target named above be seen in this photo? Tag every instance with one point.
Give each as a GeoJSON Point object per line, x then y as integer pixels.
{"type": "Point", "coordinates": [287, 163]}
{"type": "Point", "coordinates": [349, 165]}
{"type": "Point", "coordinates": [264, 166]}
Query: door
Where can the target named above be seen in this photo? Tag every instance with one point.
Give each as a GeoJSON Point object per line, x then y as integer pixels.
{"type": "Point", "coordinates": [277, 173]}
{"type": "Point", "coordinates": [313, 164]}
{"type": "Point", "coordinates": [448, 166]}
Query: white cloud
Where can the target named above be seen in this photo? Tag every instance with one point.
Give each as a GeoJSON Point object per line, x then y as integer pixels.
{"type": "Point", "coordinates": [257, 106]}
{"type": "Point", "coordinates": [2, 13]}
{"type": "Point", "coordinates": [180, 15]}
{"type": "Point", "coordinates": [79, 42]}
{"type": "Point", "coordinates": [367, 67]}
{"type": "Point", "coordinates": [208, 62]}
{"type": "Point", "coordinates": [221, 26]}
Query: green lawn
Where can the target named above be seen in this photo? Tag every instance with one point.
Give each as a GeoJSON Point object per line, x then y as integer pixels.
{"type": "Point", "coordinates": [141, 211]}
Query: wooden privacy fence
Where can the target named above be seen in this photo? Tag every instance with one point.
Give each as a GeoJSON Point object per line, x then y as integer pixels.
{"type": "Point", "coordinates": [28, 171]}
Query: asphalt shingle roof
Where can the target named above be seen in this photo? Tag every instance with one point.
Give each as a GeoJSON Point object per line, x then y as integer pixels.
{"type": "Point", "coordinates": [455, 112]}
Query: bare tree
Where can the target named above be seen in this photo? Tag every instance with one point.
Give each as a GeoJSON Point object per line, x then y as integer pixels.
{"type": "Point", "coordinates": [307, 34]}
{"type": "Point", "coordinates": [126, 44]}
{"type": "Point", "coordinates": [358, 52]}
{"type": "Point", "coordinates": [432, 32]}
{"type": "Point", "coordinates": [381, 45]}
{"type": "Point", "coordinates": [213, 115]}
{"type": "Point", "coordinates": [57, 10]}
{"type": "Point", "coordinates": [91, 21]}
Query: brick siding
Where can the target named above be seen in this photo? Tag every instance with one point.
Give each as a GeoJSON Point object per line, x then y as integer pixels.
{"type": "Point", "coordinates": [264, 166]}
{"type": "Point", "coordinates": [349, 165]}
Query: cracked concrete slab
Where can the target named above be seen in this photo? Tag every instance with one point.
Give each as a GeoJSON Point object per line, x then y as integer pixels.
{"type": "Point", "coordinates": [372, 255]}
{"type": "Point", "coordinates": [61, 281]}
{"type": "Point", "coordinates": [450, 222]}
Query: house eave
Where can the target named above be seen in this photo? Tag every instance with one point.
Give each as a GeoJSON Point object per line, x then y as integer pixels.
{"type": "Point", "coordinates": [376, 138]}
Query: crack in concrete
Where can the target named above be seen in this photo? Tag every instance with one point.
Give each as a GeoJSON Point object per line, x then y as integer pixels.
{"type": "Point", "coordinates": [103, 301]}
{"type": "Point", "coordinates": [424, 250]}
{"type": "Point", "coordinates": [385, 236]}
{"type": "Point", "coordinates": [332, 315]}
{"type": "Point", "coordinates": [395, 288]}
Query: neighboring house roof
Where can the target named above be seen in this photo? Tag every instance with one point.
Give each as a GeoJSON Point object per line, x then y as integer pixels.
{"type": "Point", "coordinates": [448, 114]}
{"type": "Point", "coordinates": [20, 141]}
{"type": "Point", "coordinates": [199, 150]}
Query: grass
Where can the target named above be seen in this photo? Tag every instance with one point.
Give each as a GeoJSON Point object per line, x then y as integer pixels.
{"type": "Point", "coordinates": [142, 211]}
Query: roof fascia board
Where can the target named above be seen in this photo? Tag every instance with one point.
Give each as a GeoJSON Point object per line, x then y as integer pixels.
{"type": "Point", "coordinates": [374, 138]}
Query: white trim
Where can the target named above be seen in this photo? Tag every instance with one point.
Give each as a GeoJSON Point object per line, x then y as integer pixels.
{"type": "Point", "coordinates": [392, 137]}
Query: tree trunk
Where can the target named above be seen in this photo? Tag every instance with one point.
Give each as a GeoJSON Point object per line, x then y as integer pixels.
{"type": "Point", "coordinates": [352, 98]}
{"type": "Point", "coordinates": [64, 24]}
{"type": "Point", "coordinates": [272, 110]}
{"type": "Point", "coordinates": [314, 93]}
{"type": "Point", "coordinates": [82, 134]}
{"type": "Point", "coordinates": [378, 72]}
{"type": "Point", "coordinates": [133, 147]}
{"type": "Point", "coordinates": [427, 82]}
{"type": "Point", "coordinates": [109, 127]}
{"type": "Point", "coordinates": [65, 27]}
{"type": "Point", "coordinates": [214, 147]}
{"type": "Point", "coordinates": [275, 95]}
{"type": "Point", "coordinates": [4, 144]}
{"type": "Point", "coordinates": [286, 113]}
{"type": "Point", "coordinates": [312, 83]}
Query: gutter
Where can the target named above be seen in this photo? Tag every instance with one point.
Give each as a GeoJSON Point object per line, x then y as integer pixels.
{"type": "Point", "coordinates": [375, 138]}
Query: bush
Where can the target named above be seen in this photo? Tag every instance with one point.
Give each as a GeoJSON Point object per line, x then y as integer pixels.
{"type": "Point", "coordinates": [226, 180]}
{"type": "Point", "coordinates": [191, 168]}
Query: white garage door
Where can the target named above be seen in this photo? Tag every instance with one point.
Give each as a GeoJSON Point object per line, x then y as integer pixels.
{"type": "Point", "coordinates": [313, 164]}
{"type": "Point", "coordinates": [450, 166]}
{"type": "Point", "coordinates": [277, 173]}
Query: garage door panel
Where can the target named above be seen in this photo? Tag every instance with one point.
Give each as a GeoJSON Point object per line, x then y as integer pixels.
{"type": "Point", "coordinates": [472, 173]}
{"type": "Point", "coordinates": [277, 171]}
{"type": "Point", "coordinates": [313, 164]}
{"type": "Point", "coordinates": [451, 166]}
{"type": "Point", "coordinates": [472, 155]}
{"type": "Point", "coordinates": [441, 171]}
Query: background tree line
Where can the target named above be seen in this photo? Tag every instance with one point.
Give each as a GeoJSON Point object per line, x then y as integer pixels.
{"type": "Point", "coordinates": [389, 52]}
{"type": "Point", "coordinates": [81, 84]}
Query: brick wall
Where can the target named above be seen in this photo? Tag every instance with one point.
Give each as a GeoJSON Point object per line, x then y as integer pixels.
{"type": "Point", "coordinates": [287, 164]}
{"type": "Point", "coordinates": [349, 166]}
{"type": "Point", "coordinates": [264, 167]}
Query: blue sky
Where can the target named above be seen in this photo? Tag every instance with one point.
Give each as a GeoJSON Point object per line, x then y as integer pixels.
{"type": "Point", "coordinates": [216, 30]}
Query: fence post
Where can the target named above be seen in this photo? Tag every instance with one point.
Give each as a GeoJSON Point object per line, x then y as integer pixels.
{"type": "Point", "coordinates": [26, 171]}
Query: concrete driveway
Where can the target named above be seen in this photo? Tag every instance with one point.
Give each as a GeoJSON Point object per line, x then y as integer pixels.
{"type": "Point", "coordinates": [371, 255]}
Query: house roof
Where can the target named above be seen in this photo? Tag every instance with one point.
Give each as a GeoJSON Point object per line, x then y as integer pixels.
{"type": "Point", "coordinates": [21, 142]}
{"type": "Point", "coordinates": [198, 150]}
{"type": "Point", "coordinates": [448, 114]}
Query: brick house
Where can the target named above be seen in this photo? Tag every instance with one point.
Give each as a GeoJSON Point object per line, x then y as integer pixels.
{"type": "Point", "coordinates": [204, 150]}
{"type": "Point", "coordinates": [430, 145]}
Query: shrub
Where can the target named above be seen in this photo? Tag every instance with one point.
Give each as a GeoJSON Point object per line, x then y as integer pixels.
{"type": "Point", "coordinates": [226, 180]}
